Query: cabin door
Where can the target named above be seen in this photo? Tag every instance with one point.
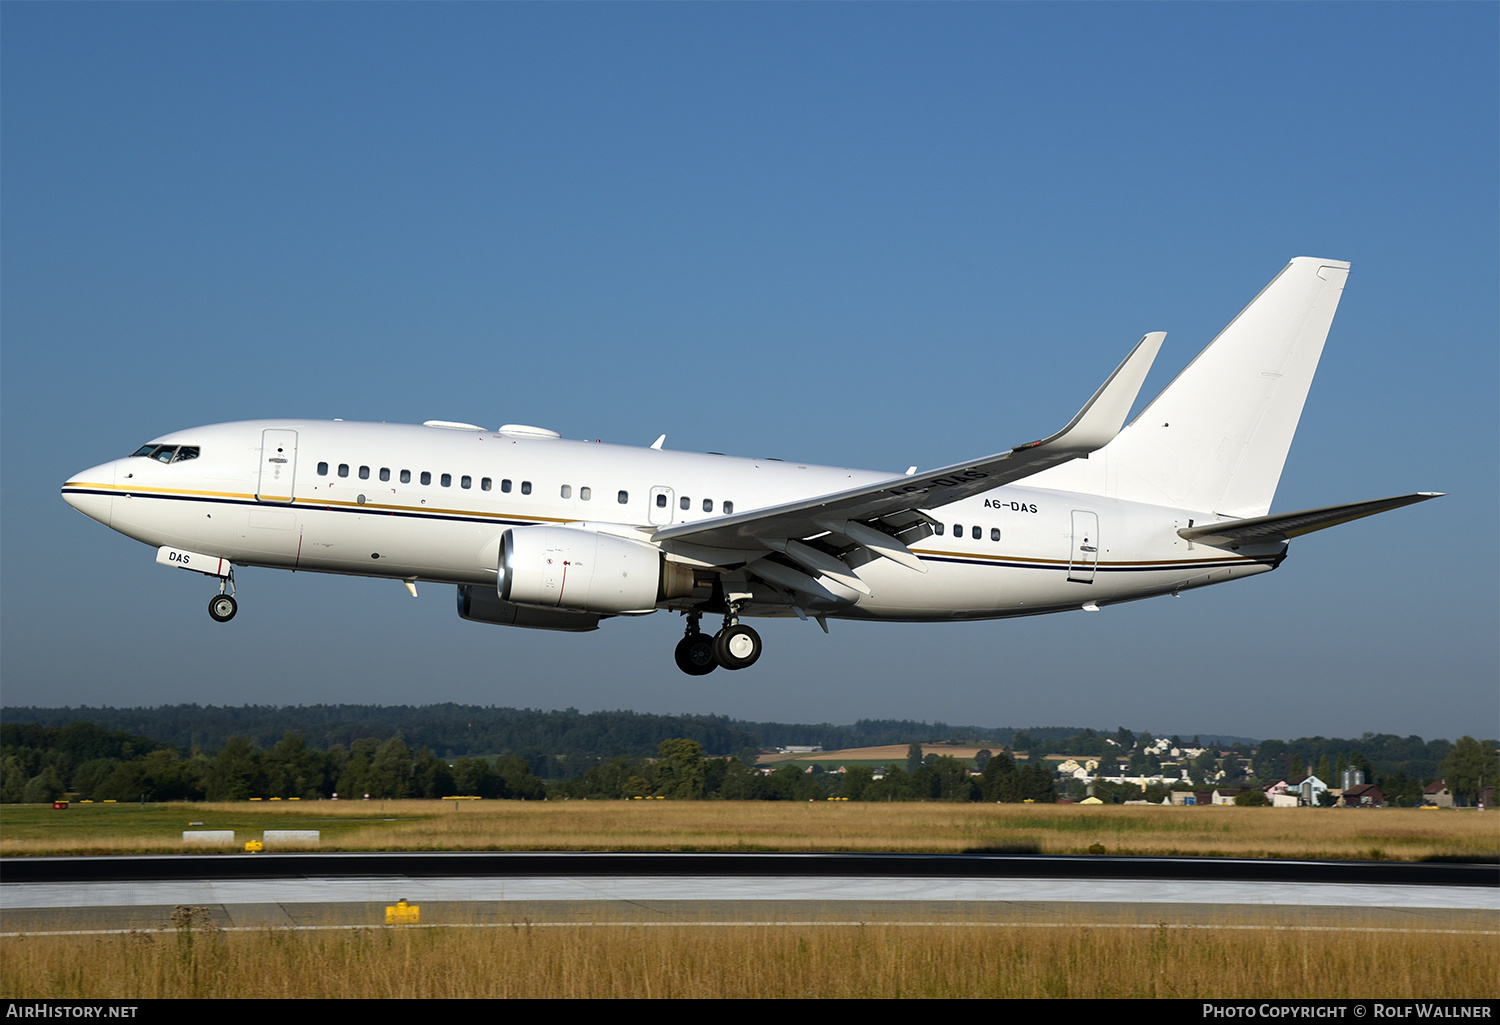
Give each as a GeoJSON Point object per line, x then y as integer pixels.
{"type": "Point", "coordinates": [661, 506]}
{"type": "Point", "coordinates": [1084, 557]}
{"type": "Point", "coordinates": [278, 465]}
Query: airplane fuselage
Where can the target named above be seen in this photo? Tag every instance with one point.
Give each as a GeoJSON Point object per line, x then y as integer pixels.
{"type": "Point", "coordinates": [431, 504]}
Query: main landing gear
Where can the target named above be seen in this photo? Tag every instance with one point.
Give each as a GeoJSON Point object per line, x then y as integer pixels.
{"type": "Point", "coordinates": [735, 646]}
{"type": "Point", "coordinates": [695, 652]}
{"type": "Point", "coordinates": [221, 606]}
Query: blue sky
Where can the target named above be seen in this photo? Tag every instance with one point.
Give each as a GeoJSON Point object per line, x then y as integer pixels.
{"type": "Point", "coordinates": [869, 235]}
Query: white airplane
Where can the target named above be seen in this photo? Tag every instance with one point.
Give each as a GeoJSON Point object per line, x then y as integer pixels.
{"type": "Point", "coordinates": [541, 532]}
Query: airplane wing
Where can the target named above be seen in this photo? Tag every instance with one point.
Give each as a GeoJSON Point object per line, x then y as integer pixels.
{"type": "Point", "coordinates": [868, 515]}
{"type": "Point", "coordinates": [1265, 529]}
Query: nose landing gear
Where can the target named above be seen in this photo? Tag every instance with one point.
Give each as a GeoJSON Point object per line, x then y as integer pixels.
{"type": "Point", "coordinates": [222, 607]}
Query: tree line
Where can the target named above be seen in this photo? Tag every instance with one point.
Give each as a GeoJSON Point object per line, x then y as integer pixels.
{"type": "Point", "coordinates": [88, 762]}
{"type": "Point", "coordinates": [450, 730]}
{"type": "Point", "coordinates": [43, 763]}
{"type": "Point", "coordinates": [682, 771]}
{"type": "Point", "coordinates": [40, 762]}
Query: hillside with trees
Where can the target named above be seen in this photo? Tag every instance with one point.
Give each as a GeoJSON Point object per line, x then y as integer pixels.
{"type": "Point", "coordinates": [191, 752]}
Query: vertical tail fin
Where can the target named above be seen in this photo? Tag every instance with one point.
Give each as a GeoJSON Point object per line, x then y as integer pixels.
{"type": "Point", "coordinates": [1217, 437]}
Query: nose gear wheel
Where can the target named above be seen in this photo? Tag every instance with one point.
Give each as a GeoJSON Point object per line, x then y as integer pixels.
{"type": "Point", "coordinates": [222, 608]}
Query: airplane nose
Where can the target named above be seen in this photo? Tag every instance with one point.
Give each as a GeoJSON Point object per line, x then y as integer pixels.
{"type": "Point", "coordinates": [92, 492]}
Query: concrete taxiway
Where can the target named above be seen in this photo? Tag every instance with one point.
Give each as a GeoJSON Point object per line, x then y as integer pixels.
{"type": "Point", "coordinates": [352, 891]}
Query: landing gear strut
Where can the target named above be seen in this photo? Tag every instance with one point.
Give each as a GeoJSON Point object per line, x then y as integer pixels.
{"type": "Point", "coordinates": [221, 606]}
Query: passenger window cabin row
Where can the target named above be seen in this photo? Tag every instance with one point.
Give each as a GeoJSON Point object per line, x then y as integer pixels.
{"type": "Point", "coordinates": [446, 479]}
{"type": "Point", "coordinates": [976, 532]}
{"type": "Point", "coordinates": [686, 503]}
{"type": "Point", "coordinates": [506, 485]}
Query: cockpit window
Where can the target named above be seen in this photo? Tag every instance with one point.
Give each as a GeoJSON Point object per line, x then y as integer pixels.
{"type": "Point", "coordinates": [167, 453]}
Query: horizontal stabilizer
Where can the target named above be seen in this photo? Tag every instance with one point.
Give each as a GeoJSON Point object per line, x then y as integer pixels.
{"type": "Point", "coordinates": [1266, 529]}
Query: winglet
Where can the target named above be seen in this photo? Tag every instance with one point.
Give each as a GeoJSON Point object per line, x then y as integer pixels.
{"type": "Point", "coordinates": [1102, 416]}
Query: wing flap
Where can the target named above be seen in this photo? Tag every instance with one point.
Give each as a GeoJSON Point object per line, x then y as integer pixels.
{"type": "Point", "coordinates": [877, 541]}
{"type": "Point", "coordinates": [817, 562]}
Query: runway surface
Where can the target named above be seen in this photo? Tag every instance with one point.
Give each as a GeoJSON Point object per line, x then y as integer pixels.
{"type": "Point", "coordinates": [343, 891]}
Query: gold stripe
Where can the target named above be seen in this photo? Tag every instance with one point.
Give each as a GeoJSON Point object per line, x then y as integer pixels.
{"type": "Point", "coordinates": [313, 503]}
{"type": "Point", "coordinates": [161, 491]}
{"type": "Point", "coordinates": [377, 507]}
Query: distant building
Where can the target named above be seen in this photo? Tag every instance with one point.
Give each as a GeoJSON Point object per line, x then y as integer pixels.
{"type": "Point", "coordinates": [1437, 795]}
{"type": "Point", "coordinates": [1308, 789]}
{"type": "Point", "coordinates": [1366, 795]}
{"type": "Point", "coordinates": [1073, 769]}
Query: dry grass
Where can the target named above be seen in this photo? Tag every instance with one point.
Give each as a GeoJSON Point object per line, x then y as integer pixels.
{"type": "Point", "coordinates": [1385, 834]}
{"type": "Point", "coordinates": [918, 960]}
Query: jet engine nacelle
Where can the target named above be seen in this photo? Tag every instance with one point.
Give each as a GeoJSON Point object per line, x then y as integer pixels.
{"type": "Point", "coordinates": [483, 605]}
{"type": "Point", "coordinates": [583, 570]}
